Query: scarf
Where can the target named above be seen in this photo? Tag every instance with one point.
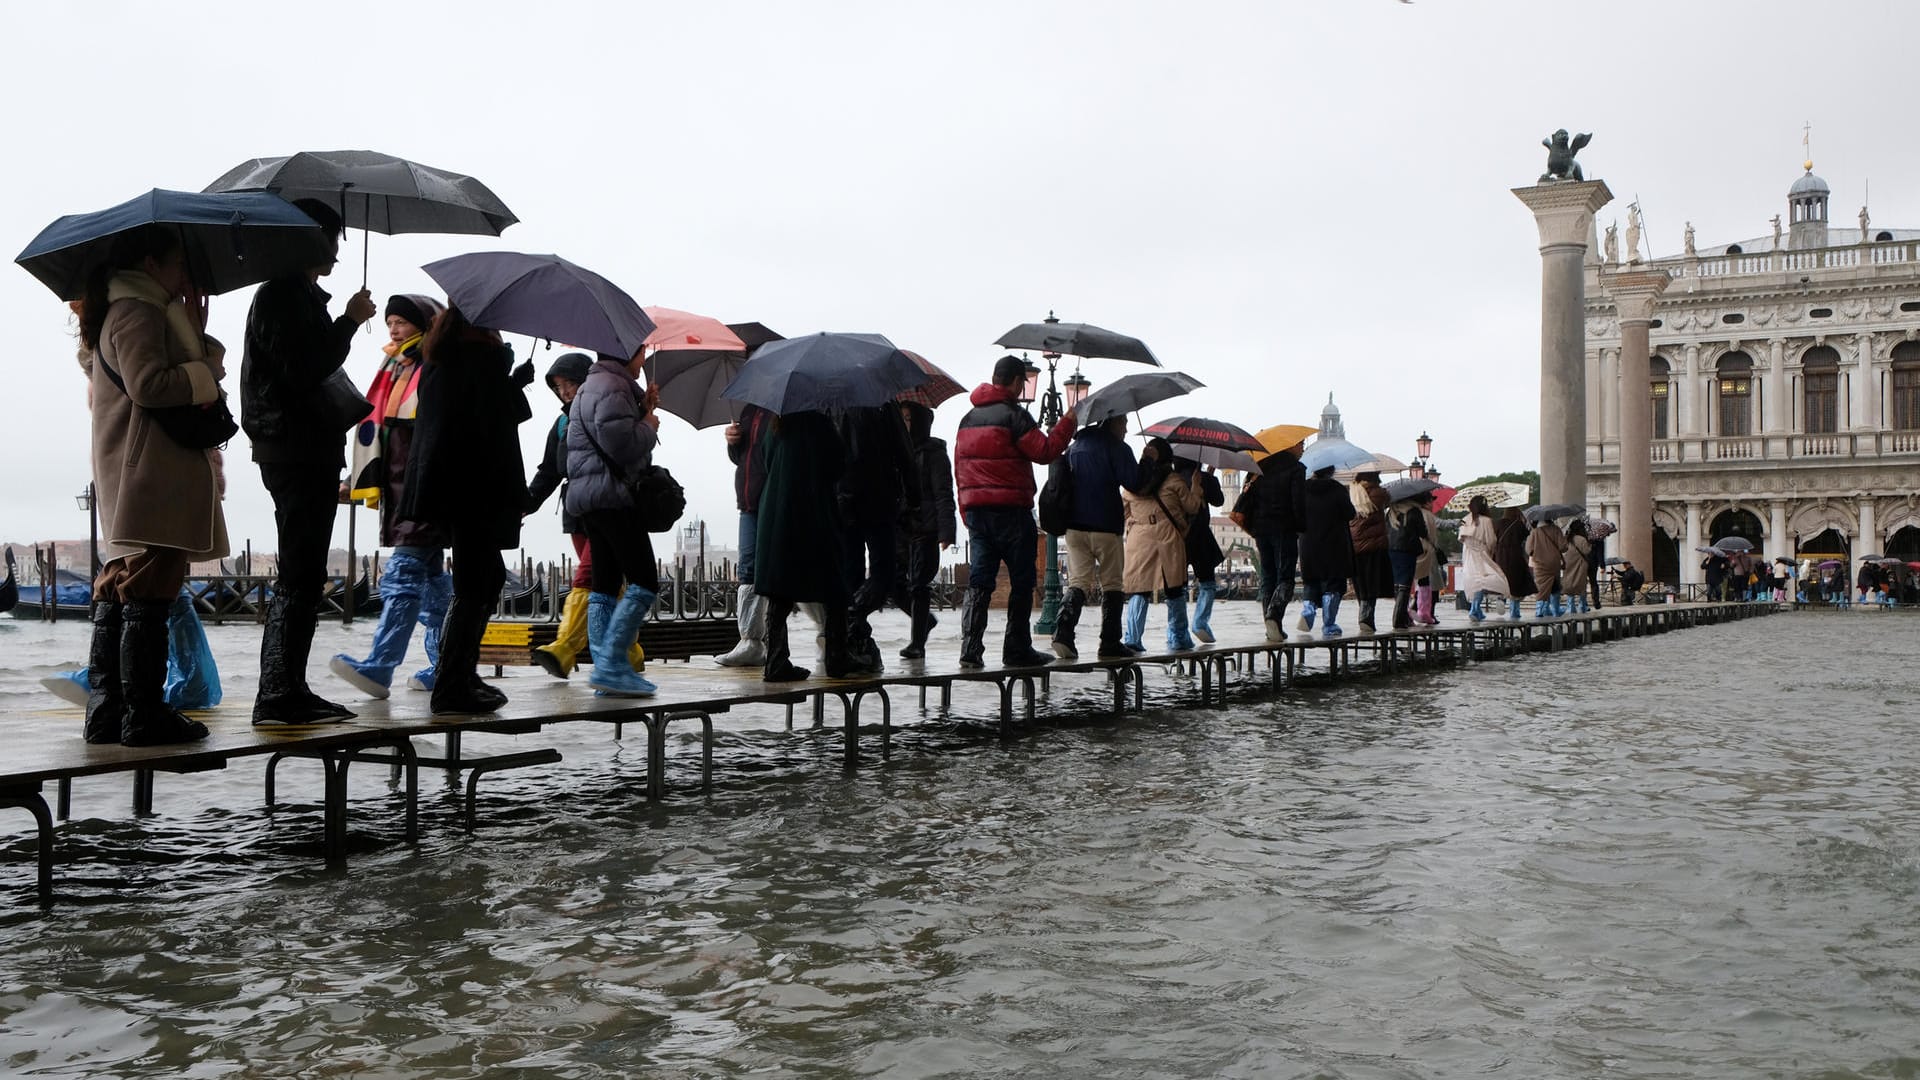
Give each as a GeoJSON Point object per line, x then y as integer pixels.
{"type": "Point", "coordinates": [139, 285]}
{"type": "Point", "coordinates": [394, 395]}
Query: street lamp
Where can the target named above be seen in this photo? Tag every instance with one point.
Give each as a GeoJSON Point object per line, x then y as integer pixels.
{"type": "Point", "coordinates": [1052, 408]}
{"type": "Point", "coordinates": [85, 501]}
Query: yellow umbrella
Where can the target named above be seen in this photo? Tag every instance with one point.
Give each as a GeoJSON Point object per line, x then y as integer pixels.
{"type": "Point", "coordinates": [1281, 436]}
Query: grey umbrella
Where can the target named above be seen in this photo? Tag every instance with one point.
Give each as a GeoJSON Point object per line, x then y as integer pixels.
{"type": "Point", "coordinates": [1733, 543]}
{"type": "Point", "coordinates": [543, 296]}
{"type": "Point", "coordinates": [1217, 457]}
{"type": "Point", "coordinates": [1536, 514]}
{"type": "Point", "coordinates": [1130, 393]}
{"type": "Point", "coordinates": [1077, 339]}
{"type": "Point", "coordinates": [1409, 489]}
{"type": "Point", "coordinates": [1335, 453]}
{"type": "Point", "coordinates": [690, 380]}
{"type": "Point", "coordinates": [824, 372]}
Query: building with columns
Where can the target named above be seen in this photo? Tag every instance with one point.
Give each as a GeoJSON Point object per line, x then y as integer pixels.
{"type": "Point", "coordinates": [1782, 389]}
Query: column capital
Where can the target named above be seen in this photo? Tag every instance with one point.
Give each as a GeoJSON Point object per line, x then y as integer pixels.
{"type": "Point", "coordinates": [1564, 209]}
{"type": "Point", "coordinates": [1634, 291]}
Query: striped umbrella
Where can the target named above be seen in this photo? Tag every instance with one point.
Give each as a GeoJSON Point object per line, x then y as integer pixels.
{"type": "Point", "coordinates": [939, 385]}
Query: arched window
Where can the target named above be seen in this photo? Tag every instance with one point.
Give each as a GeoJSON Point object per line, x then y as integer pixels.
{"type": "Point", "coordinates": [1734, 379]}
{"type": "Point", "coordinates": [1820, 390]}
{"type": "Point", "coordinates": [1660, 392]}
{"type": "Point", "coordinates": [1906, 386]}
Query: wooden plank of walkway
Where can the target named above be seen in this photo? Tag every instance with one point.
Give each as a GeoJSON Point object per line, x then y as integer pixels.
{"type": "Point", "coordinates": [45, 746]}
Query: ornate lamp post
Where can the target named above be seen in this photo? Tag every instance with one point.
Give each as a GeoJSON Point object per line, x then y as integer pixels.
{"type": "Point", "coordinates": [1421, 465]}
{"type": "Point", "coordinates": [1052, 407]}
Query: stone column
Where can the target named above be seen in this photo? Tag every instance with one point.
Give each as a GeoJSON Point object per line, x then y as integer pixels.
{"type": "Point", "coordinates": [1778, 542]}
{"type": "Point", "coordinates": [1634, 293]}
{"type": "Point", "coordinates": [1869, 537]}
{"type": "Point", "coordinates": [1690, 559]}
{"type": "Point", "coordinates": [1563, 211]}
{"type": "Point", "coordinates": [1607, 395]}
{"type": "Point", "coordinates": [1686, 403]}
{"type": "Point", "coordinates": [1861, 404]}
{"type": "Point", "coordinates": [1777, 396]}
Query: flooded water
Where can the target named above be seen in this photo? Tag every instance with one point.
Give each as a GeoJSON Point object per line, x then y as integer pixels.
{"type": "Point", "coordinates": [1695, 855]}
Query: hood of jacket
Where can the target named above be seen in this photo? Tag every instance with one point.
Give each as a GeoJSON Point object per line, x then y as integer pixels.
{"type": "Point", "coordinates": [988, 394]}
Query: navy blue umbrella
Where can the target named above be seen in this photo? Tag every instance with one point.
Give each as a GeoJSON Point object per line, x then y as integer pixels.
{"type": "Point", "coordinates": [232, 239]}
{"type": "Point", "coordinates": [824, 371]}
{"type": "Point", "coordinates": [543, 296]}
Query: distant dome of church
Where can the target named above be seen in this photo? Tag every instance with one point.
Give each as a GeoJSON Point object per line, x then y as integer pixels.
{"type": "Point", "coordinates": [1330, 425]}
{"type": "Point", "coordinates": [1809, 185]}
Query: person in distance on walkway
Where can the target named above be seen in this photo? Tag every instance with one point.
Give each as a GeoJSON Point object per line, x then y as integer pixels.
{"type": "Point", "coordinates": [1272, 508]}
{"type": "Point", "coordinates": [1631, 581]}
{"type": "Point", "coordinates": [1479, 565]}
{"type": "Point", "coordinates": [924, 531]}
{"type": "Point", "coordinates": [1575, 566]}
{"type": "Point", "coordinates": [1158, 516]}
{"type": "Point", "coordinates": [1102, 464]}
{"type": "Point", "coordinates": [998, 445]}
{"type": "Point", "coordinates": [1546, 552]}
{"type": "Point", "coordinates": [1510, 549]}
{"type": "Point", "coordinates": [746, 448]}
{"type": "Point", "coordinates": [1406, 541]}
{"type": "Point", "coordinates": [1326, 550]}
{"type": "Point", "coordinates": [1430, 573]}
{"type": "Point", "coordinates": [1203, 549]}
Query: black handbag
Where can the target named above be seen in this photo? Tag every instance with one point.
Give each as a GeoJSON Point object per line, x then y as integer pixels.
{"type": "Point", "coordinates": [658, 498]}
{"type": "Point", "coordinates": [195, 427]}
{"type": "Point", "coordinates": [342, 403]}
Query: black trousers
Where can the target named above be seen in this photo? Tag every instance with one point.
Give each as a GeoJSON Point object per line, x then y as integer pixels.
{"type": "Point", "coordinates": [305, 497]}
{"type": "Point", "coordinates": [622, 552]}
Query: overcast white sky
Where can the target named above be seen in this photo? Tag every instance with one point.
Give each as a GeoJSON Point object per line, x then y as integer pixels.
{"type": "Point", "coordinates": [1284, 199]}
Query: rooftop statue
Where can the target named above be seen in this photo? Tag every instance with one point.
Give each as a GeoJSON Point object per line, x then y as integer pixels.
{"type": "Point", "coordinates": [1560, 163]}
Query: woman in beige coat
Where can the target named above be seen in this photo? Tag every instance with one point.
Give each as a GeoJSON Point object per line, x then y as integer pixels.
{"type": "Point", "coordinates": [1157, 516]}
{"type": "Point", "coordinates": [1546, 551]}
{"type": "Point", "coordinates": [159, 502]}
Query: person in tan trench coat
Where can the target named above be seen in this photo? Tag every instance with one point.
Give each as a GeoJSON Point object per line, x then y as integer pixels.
{"type": "Point", "coordinates": [1157, 517]}
{"type": "Point", "coordinates": [159, 502]}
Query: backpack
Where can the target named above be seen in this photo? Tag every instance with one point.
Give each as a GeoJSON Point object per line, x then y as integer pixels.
{"type": "Point", "coordinates": [1056, 498]}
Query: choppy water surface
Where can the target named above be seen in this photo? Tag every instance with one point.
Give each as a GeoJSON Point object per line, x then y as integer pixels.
{"type": "Point", "coordinates": [1695, 855]}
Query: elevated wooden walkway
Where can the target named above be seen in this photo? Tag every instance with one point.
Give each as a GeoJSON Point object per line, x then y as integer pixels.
{"type": "Point", "coordinates": [45, 746]}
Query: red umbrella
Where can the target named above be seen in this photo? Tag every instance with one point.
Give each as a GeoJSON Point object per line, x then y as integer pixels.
{"type": "Point", "coordinates": [676, 330]}
{"type": "Point", "coordinates": [1442, 496]}
{"type": "Point", "coordinates": [1200, 431]}
{"type": "Point", "coordinates": [939, 385]}
{"type": "Point", "coordinates": [689, 359]}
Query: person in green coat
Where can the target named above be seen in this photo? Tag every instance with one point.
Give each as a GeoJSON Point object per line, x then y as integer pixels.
{"type": "Point", "coordinates": [801, 547]}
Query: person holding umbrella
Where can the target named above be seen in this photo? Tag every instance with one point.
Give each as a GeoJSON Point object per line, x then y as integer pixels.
{"type": "Point", "coordinates": [998, 445]}
{"type": "Point", "coordinates": [1715, 566]}
{"type": "Point", "coordinates": [1159, 515]}
{"type": "Point", "coordinates": [1631, 581]}
{"type": "Point", "coordinates": [415, 586]}
{"type": "Point", "coordinates": [1546, 553]}
{"type": "Point", "coordinates": [1203, 550]}
{"type": "Point", "coordinates": [1102, 464]}
{"type": "Point", "coordinates": [293, 347]}
{"type": "Point", "coordinates": [1430, 575]}
{"type": "Point", "coordinates": [1326, 549]}
{"type": "Point", "coordinates": [1372, 568]}
{"type": "Point", "coordinates": [1510, 549]}
{"type": "Point", "coordinates": [464, 461]}
{"type": "Point", "coordinates": [1272, 507]}
{"type": "Point", "coordinates": [746, 448]}
{"type": "Point", "coordinates": [159, 501]}
{"type": "Point", "coordinates": [801, 543]}
{"type": "Point", "coordinates": [1479, 565]}
{"type": "Point", "coordinates": [1575, 566]}
{"type": "Point", "coordinates": [1407, 539]}
{"type": "Point", "coordinates": [879, 483]}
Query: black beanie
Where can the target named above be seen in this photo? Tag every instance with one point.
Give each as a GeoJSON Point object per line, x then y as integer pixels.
{"type": "Point", "coordinates": [411, 308]}
{"type": "Point", "coordinates": [1009, 367]}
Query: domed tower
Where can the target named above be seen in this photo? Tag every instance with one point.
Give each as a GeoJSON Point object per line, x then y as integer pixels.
{"type": "Point", "coordinates": [1330, 425]}
{"type": "Point", "coordinates": [1807, 210]}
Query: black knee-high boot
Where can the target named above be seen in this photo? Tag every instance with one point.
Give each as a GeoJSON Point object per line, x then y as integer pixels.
{"type": "Point", "coordinates": [780, 666]}
{"type": "Point", "coordinates": [148, 720]}
{"type": "Point", "coordinates": [1065, 622]}
{"type": "Point", "coordinates": [105, 707]}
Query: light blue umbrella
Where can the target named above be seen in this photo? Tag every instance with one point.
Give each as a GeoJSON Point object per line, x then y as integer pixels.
{"type": "Point", "coordinates": [1334, 453]}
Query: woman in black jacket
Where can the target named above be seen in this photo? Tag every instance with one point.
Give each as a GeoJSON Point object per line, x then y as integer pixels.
{"type": "Point", "coordinates": [464, 461]}
{"type": "Point", "coordinates": [924, 530]}
{"type": "Point", "coordinates": [1326, 549]}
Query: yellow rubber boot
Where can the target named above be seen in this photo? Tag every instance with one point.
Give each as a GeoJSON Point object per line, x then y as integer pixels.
{"type": "Point", "coordinates": [637, 656]}
{"type": "Point", "coordinates": [558, 658]}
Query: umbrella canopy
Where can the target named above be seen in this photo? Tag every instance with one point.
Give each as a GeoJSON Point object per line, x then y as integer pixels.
{"type": "Point", "coordinates": [1887, 560]}
{"type": "Point", "coordinates": [1384, 463]}
{"type": "Point", "coordinates": [1831, 564]}
{"type": "Point", "coordinates": [1712, 551]}
{"type": "Point", "coordinates": [1734, 543]}
{"type": "Point", "coordinates": [1443, 495]}
{"type": "Point", "coordinates": [1077, 339]}
{"type": "Point", "coordinates": [1867, 558]}
{"type": "Point", "coordinates": [1338, 453]}
{"type": "Point", "coordinates": [378, 192]}
{"type": "Point", "coordinates": [1217, 457]}
{"type": "Point", "coordinates": [1130, 393]}
{"type": "Point", "coordinates": [1600, 528]}
{"type": "Point", "coordinates": [1612, 560]}
{"type": "Point", "coordinates": [1280, 436]}
{"type": "Point", "coordinates": [543, 296]}
{"type": "Point", "coordinates": [1537, 514]}
{"type": "Point", "coordinates": [1200, 431]}
{"type": "Point", "coordinates": [231, 240]}
{"type": "Point", "coordinates": [688, 363]}
{"type": "Point", "coordinates": [1401, 489]}
{"type": "Point", "coordinates": [939, 385]}
{"type": "Point", "coordinates": [822, 372]}
{"type": "Point", "coordinates": [682, 331]}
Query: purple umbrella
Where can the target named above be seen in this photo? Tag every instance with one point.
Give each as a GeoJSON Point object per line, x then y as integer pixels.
{"type": "Point", "coordinates": [543, 296]}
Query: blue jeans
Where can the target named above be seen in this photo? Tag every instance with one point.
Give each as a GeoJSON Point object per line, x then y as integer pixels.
{"type": "Point", "coordinates": [749, 545]}
{"type": "Point", "coordinates": [1005, 534]}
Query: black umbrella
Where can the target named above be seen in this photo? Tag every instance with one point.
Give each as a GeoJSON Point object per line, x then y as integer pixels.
{"type": "Point", "coordinates": [232, 240]}
{"type": "Point", "coordinates": [1130, 393]}
{"type": "Point", "coordinates": [821, 372]}
{"type": "Point", "coordinates": [1536, 514]}
{"type": "Point", "coordinates": [1200, 431]}
{"type": "Point", "coordinates": [700, 375]}
{"type": "Point", "coordinates": [1733, 543]}
{"type": "Point", "coordinates": [1612, 560]}
{"type": "Point", "coordinates": [377, 192]}
{"type": "Point", "coordinates": [1077, 339]}
{"type": "Point", "coordinates": [544, 296]}
{"type": "Point", "coordinates": [1405, 488]}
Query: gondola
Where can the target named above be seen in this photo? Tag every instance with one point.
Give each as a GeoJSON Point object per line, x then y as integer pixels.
{"type": "Point", "coordinates": [9, 589]}
{"type": "Point", "coordinates": [72, 596]}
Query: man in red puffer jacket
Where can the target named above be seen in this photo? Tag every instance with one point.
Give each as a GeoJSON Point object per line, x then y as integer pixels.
{"type": "Point", "coordinates": [994, 454]}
